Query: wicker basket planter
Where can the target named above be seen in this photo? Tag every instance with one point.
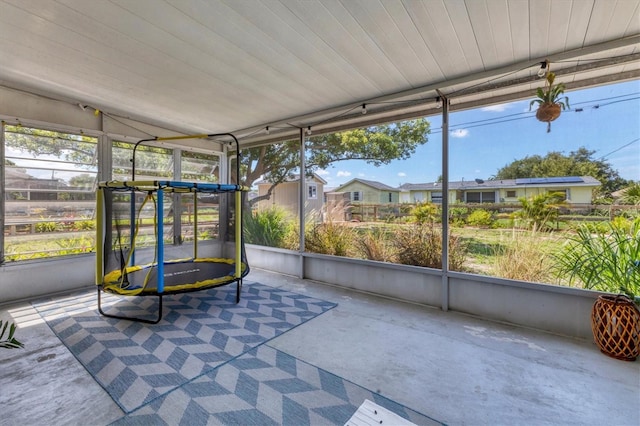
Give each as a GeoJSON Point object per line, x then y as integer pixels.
{"type": "Point", "coordinates": [548, 112]}
{"type": "Point", "coordinates": [615, 322]}
{"type": "Point", "coordinates": [550, 100]}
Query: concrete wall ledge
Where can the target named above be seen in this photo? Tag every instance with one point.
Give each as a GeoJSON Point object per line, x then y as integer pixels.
{"type": "Point", "coordinates": [556, 309]}
{"type": "Point", "coordinates": [35, 278]}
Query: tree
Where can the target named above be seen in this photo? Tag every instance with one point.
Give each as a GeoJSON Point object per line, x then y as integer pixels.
{"type": "Point", "coordinates": [82, 150]}
{"type": "Point", "coordinates": [83, 180]}
{"type": "Point", "coordinates": [577, 163]}
{"type": "Point", "coordinates": [376, 145]}
{"type": "Point", "coordinates": [275, 163]}
{"type": "Point", "coordinates": [76, 148]}
{"type": "Point", "coordinates": [151, 162]}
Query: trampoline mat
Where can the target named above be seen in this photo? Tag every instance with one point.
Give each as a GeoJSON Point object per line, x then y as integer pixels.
{"type": "Point", "coordinates": [179, 276]}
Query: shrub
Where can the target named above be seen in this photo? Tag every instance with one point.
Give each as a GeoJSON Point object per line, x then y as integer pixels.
{"type": "Point", "coordinates": [267, 227]}
{"type": "Point", "coordinates": [593, 227]}
{"type": "Point", "coordinates": [75, 246]}
{"type": "Point", "coordinates": [47, 226]}
{"type": "Point", "coordinates": [329, 238]}
{"type": "Point", "coordinates": [480, 217]}
{"type": "Point", "coordinates": [421, 245]}
{"type": "Point", "coordinates": [205, 234]}
{"type": "Point", "coordinates": [84, 225]}
{"type": "Point", "coordinates": [457, 216]}
{"type": "Point", "coordinates": [425, 213]}
{"type": "Point", "coordinates": [622, 223]}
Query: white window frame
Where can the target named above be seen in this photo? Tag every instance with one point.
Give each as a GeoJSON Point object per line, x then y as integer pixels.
{"type": "Point", "coordinates": [58, 213]}
{"type": "Point", "coordinates": [482, 200]}
{"type": "Point", "coordinates": [312, 191]}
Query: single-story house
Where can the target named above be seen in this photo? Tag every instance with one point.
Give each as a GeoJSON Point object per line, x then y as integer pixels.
{"type": "Point", "coordinates": [577, 190]}
{"type": "Point", "coordinates": [370, 192]}
{"type": "Point", "coordinates": [287, 194]}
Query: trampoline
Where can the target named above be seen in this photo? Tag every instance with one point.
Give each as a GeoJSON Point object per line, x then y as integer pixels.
{"type": "Point", "coordinates": [132, 257]}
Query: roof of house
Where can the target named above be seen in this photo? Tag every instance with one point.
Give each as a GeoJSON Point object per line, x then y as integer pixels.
{"type": "Point", "coordinates": [372, 183]}
{"type": "Point", "coordinates": [505, 183]}
{"type": "Point", "coordinates": [293, 178]}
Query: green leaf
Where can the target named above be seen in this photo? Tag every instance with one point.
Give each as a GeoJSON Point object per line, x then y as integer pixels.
{"type": "Point", "coordinates": [604, 261]}
{"type": "Point", "coordinates": [10, 342]}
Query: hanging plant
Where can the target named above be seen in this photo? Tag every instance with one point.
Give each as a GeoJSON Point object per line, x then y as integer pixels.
{"type": "Point", "coordinates": [550, 101]}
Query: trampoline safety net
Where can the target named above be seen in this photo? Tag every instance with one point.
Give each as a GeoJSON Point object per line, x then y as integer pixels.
{"type": "Point", "coordinates": [137, 236]}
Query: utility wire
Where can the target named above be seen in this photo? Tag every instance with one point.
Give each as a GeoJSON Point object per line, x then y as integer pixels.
{"type": "Point", "coordinates": [618, 149]}
{"type": "Point", "coordinates": [528, 114]}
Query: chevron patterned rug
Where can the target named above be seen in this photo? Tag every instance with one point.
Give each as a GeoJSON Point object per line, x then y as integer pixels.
{"type": "Point", "coordinates": [137, 363]}
{"type": "Point", "coordinates": [265, 387]}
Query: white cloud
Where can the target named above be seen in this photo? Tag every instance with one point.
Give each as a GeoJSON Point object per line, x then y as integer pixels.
{"type": "Point", "coordinates": [460, 133]}
{"type": "Point", "coordinates": [402, 174]}
{"type": "Point", "coordinates": [496, 108]}
{"type": "Point", "coordinates": [322, 172]}
{"type": "Point", "coordinates": [342, 173]}
{"type": "Point", "coordinates": [361, 175]}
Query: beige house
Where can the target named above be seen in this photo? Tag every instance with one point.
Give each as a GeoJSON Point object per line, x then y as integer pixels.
{"type": "Point", "coordinates": [369, 192]}
{"type": "Point", "coordinates": [287, 194]}
{"type": "Point", "coordinates": [577, 189]}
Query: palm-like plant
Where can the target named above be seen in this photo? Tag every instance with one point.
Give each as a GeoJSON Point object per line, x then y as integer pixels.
{"type": "Point", "coordinates": [541, 210]}
{"type": "Point", "coordinates": [9, 342]}
{"type": "Point", "coordinates": [605, 261]}
{"type": "Point", "coordinates": [631, 194]}
{"type": "Point", "coordinates": [550, 101]}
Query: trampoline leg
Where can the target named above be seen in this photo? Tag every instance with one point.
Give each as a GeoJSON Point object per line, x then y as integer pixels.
{"type": "Point", "coordinates": [145, 320]}
{"type": "Point", "coordinates": [238, 289]}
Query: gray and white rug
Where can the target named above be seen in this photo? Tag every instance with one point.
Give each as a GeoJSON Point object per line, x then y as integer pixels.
{"type": "Point", "coordinates": [137, 363]}
{"type": "Point", "coordinates": [264, 387]}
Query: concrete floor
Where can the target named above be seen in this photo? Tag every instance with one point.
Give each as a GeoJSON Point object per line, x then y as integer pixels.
{"type": "Point", "coordinates": [454, 368]}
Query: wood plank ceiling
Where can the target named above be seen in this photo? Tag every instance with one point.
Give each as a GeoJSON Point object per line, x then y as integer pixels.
{"type": "Point", "coordinates": [241, 65]}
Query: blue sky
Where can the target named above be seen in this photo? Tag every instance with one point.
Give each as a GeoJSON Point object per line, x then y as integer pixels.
{"type": "Point", "coordinates": [483, 140]}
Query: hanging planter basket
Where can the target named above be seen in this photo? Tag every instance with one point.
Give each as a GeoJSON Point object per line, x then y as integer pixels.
{"type": "Point", "coordinates": [548, 112]}
{"type": "Point", "coordinates": [615, 322]}
{"type": "Point", "coordinates": [549, 99]}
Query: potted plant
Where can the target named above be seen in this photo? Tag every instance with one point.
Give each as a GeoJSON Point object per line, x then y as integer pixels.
{"type": "Point", "coordinates": [608, 262]}
{"type": "Point", "coordinates": [550, 101]}
{"type": "Point", "coordinates": [9, 342]}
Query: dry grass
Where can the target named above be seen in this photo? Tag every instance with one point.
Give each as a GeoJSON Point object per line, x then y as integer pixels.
{"type": "Point", "coordinates": [524, 257]}
{"type": "Point", "coordinates": [421, 245]}
{"type": "Point", "coordinates": [329, 238]}
{"type": "Point", "coordinates": [373, 245]}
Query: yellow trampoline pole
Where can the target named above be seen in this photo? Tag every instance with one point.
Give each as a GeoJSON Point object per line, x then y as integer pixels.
{"type": "Point", "coordinates": [195, 225]}
{"type": "Point", "coordinates": [238, 234]}
{"type": "Point", "coordinates": [99, 236]}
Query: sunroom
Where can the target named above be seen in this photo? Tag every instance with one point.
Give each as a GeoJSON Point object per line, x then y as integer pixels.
{"type": "Point", "coordinates": [397, 92]}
